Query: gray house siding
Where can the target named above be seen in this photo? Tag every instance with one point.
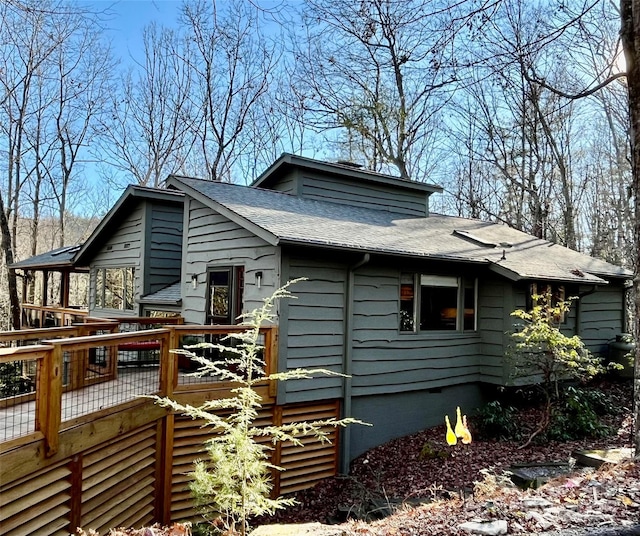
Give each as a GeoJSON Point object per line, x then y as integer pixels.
{"type": "Point", "coordinates": [212, 240]}
{"type": "Point", "coordinates": [495, 303]}
{"type": "Point", "coordinates": [313, 336]}
{"type": "Point", "coordinates": [163, 246]}
{"type": "Point", "coordinates": [601, 315]}
{"type": "Point", "coordinates": [353, 192]}
{"type": "Point", "coordinates": [123, 249]}
{"type": "Point", "coordinates": [386, 360]}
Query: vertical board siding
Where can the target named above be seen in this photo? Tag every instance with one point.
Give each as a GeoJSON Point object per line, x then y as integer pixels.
{"type": "Point", "coordinates": [37, 505]}
{"type": "Point", "coordinates": [119, 482]}
{"type": "Point", "coordinates": [164, 250]}
{"type": "Point", "coordinates": [214, 240]}
{"type": "Point", "coordinates": [314, 335]}
{"type": "Point", "coordinates": [361, 194]}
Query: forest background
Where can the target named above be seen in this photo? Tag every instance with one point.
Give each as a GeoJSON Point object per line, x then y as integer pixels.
{"type": "Point", "coordinates": [470, 95]}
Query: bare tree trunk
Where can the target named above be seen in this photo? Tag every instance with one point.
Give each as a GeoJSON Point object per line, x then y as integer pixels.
{"type": "Point", "coordinates": [7, 249]}
{"type": "Point", "coordinates": [630, 35]}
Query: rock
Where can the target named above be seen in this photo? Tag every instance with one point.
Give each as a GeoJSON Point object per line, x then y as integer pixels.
{"type": "Point", "coordinates": [542, 521]}
{"type": "Point", "coordinates": [486, 528]}
{"type": "Point", "coordinates": [536, 502]}
{"type": "Point", "coordinates": [304, 529]}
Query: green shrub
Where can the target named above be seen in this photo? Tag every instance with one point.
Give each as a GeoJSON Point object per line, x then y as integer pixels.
{"type": "Point", "coordinates": [497, 421]}
{"type": "Point", "coordinates": [577, 415]}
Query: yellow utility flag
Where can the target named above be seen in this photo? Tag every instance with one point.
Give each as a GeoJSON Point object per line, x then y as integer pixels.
{"type": "Point", "coordinates": [451, 437]}
{"type": "Point", "coordinates": [466, 434]}
{"type": "Point", "coordinates": [459, 429]}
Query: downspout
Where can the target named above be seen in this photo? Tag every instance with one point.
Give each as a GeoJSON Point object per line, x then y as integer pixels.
{"type": "Point", "coordinates": [347, 363]}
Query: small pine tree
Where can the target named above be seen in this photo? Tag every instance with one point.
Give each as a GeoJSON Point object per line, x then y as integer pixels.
{"type": "Point", "coordinates": [543, 351]}
{"type": "Point", "coordinates": [234, 483]}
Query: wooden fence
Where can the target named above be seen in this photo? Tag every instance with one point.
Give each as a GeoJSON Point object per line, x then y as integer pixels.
{"type": "Point", "coordinates": [93, 456]}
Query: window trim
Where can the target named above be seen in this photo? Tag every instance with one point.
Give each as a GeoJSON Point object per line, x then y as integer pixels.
{"type": "Point", "coordinates": [128, 283]}
{"type": "Point", "coordinates": [235, 298]}
{"type": "Point", "coordinates": [417, 279]}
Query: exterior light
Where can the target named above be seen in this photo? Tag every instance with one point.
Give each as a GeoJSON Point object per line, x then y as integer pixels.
{"type": "Point", "coordinates": [259, 279]}
{"type": "Point", "coordinates": [194, 281]}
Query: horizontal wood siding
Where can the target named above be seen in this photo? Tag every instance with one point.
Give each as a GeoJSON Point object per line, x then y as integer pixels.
{"type": "Point", "coordinates": [387, 361]}
{"type": "Point", "coordinates": [214, 240]}
{"type": "Point", "coordinates": [601, 317]}
{"type": "Point", "coordinates": [118, 486]}
{"type": "Point", "coordinates": [494, 321]}
{"type": "Point", "coordinates": [123, 249]}
{"type": "Point", "coordinates": [361, 194]}
{"type": "Point", "coordinates": [164, 247]}
{"type": "Point", "coordinates": [314, 334]}
{"type": "Point", "coordinates": [37, 505]}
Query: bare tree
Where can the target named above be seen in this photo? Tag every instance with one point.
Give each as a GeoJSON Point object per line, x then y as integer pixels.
{"type": "Point", "coordinates": [40, 48]}
{"type": "Point", "coordinates": [149, 131]}
{"type": "Point", "coordinates": [630, 33]}
{"type": "Point", "coordinates": [231, 64]}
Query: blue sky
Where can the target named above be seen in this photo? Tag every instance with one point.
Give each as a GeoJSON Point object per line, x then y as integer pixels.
{"type": "Point", "coordinates": [127, 18]}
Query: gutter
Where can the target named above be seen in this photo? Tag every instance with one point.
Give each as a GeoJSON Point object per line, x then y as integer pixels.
{"type": "Point", "coordinates": [347, 363]}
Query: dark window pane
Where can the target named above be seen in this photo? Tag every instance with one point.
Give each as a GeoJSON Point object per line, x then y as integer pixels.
{"type": "Point", "coordinates": [438, 308]}
{"type": "Point", "coordinates": [407, 302]}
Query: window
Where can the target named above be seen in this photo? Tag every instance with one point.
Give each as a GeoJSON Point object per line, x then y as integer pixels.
{"type": "Point", "coordinates": [437, 302]}
{"type": "Point", "coordinates": [538, 293]}
{"type": "Point", "coordinates": [115, 288]}
{"type": "Point", "coordinates": [224, 294]}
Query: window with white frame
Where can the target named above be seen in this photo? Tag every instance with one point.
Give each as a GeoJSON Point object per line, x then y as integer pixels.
{"type": "Point", "coordinates": [437, 302]}
{"type": "Point", "coordinates": [115, 288]}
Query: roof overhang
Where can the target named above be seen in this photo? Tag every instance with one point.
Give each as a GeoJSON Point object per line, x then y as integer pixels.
{"type": "Point", "coordinates": [58, 260]}
{"type": "Point", "coordinates": [287, 161]}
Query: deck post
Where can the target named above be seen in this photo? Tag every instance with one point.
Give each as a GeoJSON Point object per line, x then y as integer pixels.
{"type": "Point", "coordinates": [49, 399]}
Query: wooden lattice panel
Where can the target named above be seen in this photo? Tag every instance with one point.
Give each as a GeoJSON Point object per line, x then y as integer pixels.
{"type": "Point", "coordinates": [37, 505]}
{"type": "Point", "coordinates": [305, 466]}
{"type": "Point", "coordinates": [118, 487]}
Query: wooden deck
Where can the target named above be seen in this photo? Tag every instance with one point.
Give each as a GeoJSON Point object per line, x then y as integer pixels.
{"type": "Point", "coordinates": [88, 371]}
{"type": "Point", "coordinates": [87, 449]}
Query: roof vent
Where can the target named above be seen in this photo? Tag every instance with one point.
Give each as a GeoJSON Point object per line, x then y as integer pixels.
{"type": "Point", "coordinates": [68, 249]}
{"type": "Point", "coordinates": [350, 164]}
{"type": "Point", "coordinates": [473, 238]}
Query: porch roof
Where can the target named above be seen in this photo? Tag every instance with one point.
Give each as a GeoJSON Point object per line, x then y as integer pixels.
{"type": "Point", "coordinates": [60, 259]}
{"type": "Point", "coordinates": [283, 219]}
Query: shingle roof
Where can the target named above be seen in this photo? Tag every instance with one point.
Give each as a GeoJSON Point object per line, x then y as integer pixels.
{"type": "Point", "coordinates": [285, 219]}
{"type": "Point", "coordinates": [169, 295]}
{"type": "Point", "coordinates": [56, 259]}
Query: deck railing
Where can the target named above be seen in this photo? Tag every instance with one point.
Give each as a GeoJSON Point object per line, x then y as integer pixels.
{"type": "Point", "coordinates": [40, 316]}
{"type": "Point", "coordinates": [90, 370]}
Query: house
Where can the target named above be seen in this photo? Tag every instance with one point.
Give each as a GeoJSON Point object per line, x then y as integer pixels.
{"type": "Point", "coordinates": [413, 307]}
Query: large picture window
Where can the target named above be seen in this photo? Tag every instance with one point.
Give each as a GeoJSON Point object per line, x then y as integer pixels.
{"type": "Point", "coordinates": [224, 294]}
{"type": "Point", "coordinates": [437, 302]}
{"type": "Point", "coordinates": [115, 288]}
